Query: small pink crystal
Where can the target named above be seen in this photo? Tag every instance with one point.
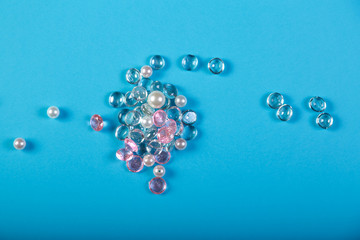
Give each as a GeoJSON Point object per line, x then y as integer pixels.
{"type": "Point", "coordinates": [165, 135]}
{"type": "Point", "coordinates": [130, 145]}
{"type": "Point", "coordinates": [96, 122]}
{"type": "Point", "coordinates": [171, 124]}
{"type": "Point", "coordinates": [124, 154]}
{"type": "Point", "coordinates": [159, 118]}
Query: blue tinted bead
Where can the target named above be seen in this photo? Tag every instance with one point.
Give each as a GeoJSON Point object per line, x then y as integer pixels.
{"type": "Point", "coordinates": [146, 83]}
{"type": "Point", "coordinates": [216, 65]}
{"type": "Point", "coordinates": [170, 146]}
{"type": "Point", "coordinates": [170, 91]}
{"type": "Point", "coordinates": [324, 120]}
{"type": "Point", "coordinates": [122, 132]}
{"type": "Point", "coordinates": [122, 114]}
{"type": "Point", "coordinates": [285, 112]}
{"type": "Point", "coordinates": [157, 185]}
{"type": "Point", "coordinates": [132, 118]}
{"type": "Point", "coordinates": [133, 76]}
{"type": "Point", "coordinates": [150, 133]}
{"type": "Point", "coordinates": [317, 104]}
{"type": "Point", "coordinates": [174, 113]}
{"type": "Point", "coordinates": [179, 128]}
{"type": "Point", "coordinates": [189, 62]}
{"type": "Point", "coordinates": [190, 132]}
{"type": "Point", "coordinates": [157, 62]}
{"type": "Point", "coordinates": [139, 93]}
{"type": "Point", "coordinates": [167, 104]}
{"type": "Point", "coordinates": [275, 100]}
{"type": "Point", "coordinates": [146, 109]}
{"type": "Point", "coordinates": [189, 117]}
{"type": "Point", "coordinates": [116, 99]}
{"type": "Point", "coordinates": [156, 86]}
{"type": "Point", "coordinates": [154, 147]}
{"type": "Point", "coordinates": [130, 100]}
{"type": "Point", "coordinates": [137, 135]}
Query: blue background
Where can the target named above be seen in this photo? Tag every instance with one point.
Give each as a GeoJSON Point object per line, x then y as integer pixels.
{"type": "Point", "coordinates": [247, 175]}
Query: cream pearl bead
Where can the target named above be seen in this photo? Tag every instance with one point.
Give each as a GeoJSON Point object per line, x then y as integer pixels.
{"type": "Point", "coordinates": [19, 144]}
{"type": "Point", "coordinates": [180, 144]}
{"type": "Point", "coordinates": [53, 112]}
{"type": "Point", "coordinates": [146, 71]}
{"type": "Point", "coordinates": [146, 121]}
{"type": "Point", "coordinates": [149, 160]}
{"type": "Point", "coordinates": [156, 99]}
{"type": "Point", "coordinates": [180, 101]}
{"type": "Point", "coordinates": [159, 171]}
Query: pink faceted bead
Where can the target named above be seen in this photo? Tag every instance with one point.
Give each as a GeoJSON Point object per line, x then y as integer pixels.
{"type": "Point", "coordinates": [163, 157]}
{"type": "Point", "coordinates": [124, 154]}
{"type": "Point", "coordinates": [171, 124]}
{"type": "Point", "coordinates": [130, 145]}
{"type": "Point", "coordinates": [165, 135]}
{"type": "Point", "coordinates": [136, 164]}
{"type": "Point", "coordinates": [159, 118]}
{"type": "Point", "coordinates": [96, 122]}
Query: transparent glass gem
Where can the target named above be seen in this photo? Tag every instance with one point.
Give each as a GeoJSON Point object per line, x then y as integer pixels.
{"type": "Point", "coordinates": [147, 109]}
{"type": "Point", "coordinates": [163, 157]}
{"type": "Point", "coordinates": [96, 122]}
{"type": "Point", "coordinates": [139, 93]}
{"type": "Point", "coordinates": [135, 164]}
{"type": "Point", "coordinates": [154, 147]}
{"type": "Point", "coordinates": [131, 145]}
{"type": "Point", "coordinates": [130, 100]}
{"type": "Point", "coordinates": [174, 113]}
{"type": "Point", "coordinates": [275, 100]}
{"type": "Point", "coordinates": [146, 83]}
{"type": "Point", "coordinates": [179, 128]}
{"type": "Point", "coordinates": [132, 118]}
{"type": "Point", "coordinates": [133, 76]}
{"type": "Point", "coordinates": [156, 86]}
{"type": "Point", "coordinates": [169, 146]}
{"type": "Point", "coordinates": [189, 133]}
{"type": "Point", "coordinates": [216, 65]}
{"type": "Point", "coordinates": [122, 132]}
{"type": "Point", "coordinates": [157, 185]}
{"type": "Point", "coordinates": [159, 118]}
{"type": "Point", "coordinates": [170, 91]}
{"type": "Point", "coordinates": [317, 104]}
{"type": "Point", "coordinates": [324, 120]}
{"type": "Point", "coordinates": [189, 117]}
{"type": "Point", "coordinates": [122, 114]}
{"type": "Point", "coordinates": [167, 104]}
{"type": "Point", "coordinates": [150, 133]}
{"type": "Point", "coordinates": [116, 99]}
{"type": "Point", "coordinates": [285, 112]}
{"type": "Point", "coordinates": [157, 62]}
{"type": "Point", "coordinates": [189, 62]}
{"type": "Point", "coordinates": [137, 136]}
{"type": "Point", "coordinates": [124, 154]}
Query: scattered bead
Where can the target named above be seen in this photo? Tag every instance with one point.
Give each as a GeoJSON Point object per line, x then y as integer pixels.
{"type": "Point", "coordinates": [157, 62]}
{"type": "Point", "coordinates": [133, 76]}
{"type": "Point", "coordinates": [156, 99]}
{"type": "Point", "coordinates": [163, 157]}
{"type": "Point", "coordinates": [157, 185]}
{"type": "Point", "coordinates": [139, 93]}
{"type": "Point", "coordinates": [156, 86]}
{"type": "Point", "coordinates": [96, 122]}
{"type": "Point", "coordinates": [159, 118]}
{"type": "Point", "coordinates": [216, 65]}
{"type": "Point", "coordinates": [149, 160]}
{"type": "Point", "coordinates": [174, 113]}
{"type": "Point", "coordinates": [154, 147]}
{"type": "Point", "coordinates": [19, 143]}
{"type": "Point", "coordinates": [189, 117]}
{"type": "Point", "coordinates": [159, 171]}
{"type": "Point", "coordinates": [275, 100]}
{"type": "Point", "coordinates": [146, 121]}
{"type": "Point", "coordinates": [285, 112]}
{"type": "Point", "coordinates": [189, 133]}
{"type": "Point", "coordinates": [135, 164]}
{"type": "Point", "coordinates": [180, 101]}
{"type": "Point", "coordinates": [180, 144]}
{"type": "Point", "coordinates": [53, 112]}
{"type": "Point", "coordinates": [147, 109]}
{"type": "Point", "coordinates": [146, 71]}
{"type": "Point", "coordinates": [165, 135]}
{"type": "Point", "coordinates": [124, 154]}
{"type": "Point", "coordinates": [132, 118]}
{"type": "Point", "coordinates": [116, 99]}
{"type": "Point", "coordinates": [129, 99]}
{"type": "Point", "coordinates": [324, 120]}
{"type": "Point", "coordinates": [170, 91]}
{"type": "Point", "coordinates": [122, 132]}
{"type": "Point", "coordinates": [137, 135]}
{"type": "Point", "coordinates": [130, 145]}
{"type": "Point", "coordinates": [189, 62]}
{"type": "Point", "coordinates": [317, 104]}
{"type": "Point", "coordinates": [122, 114]}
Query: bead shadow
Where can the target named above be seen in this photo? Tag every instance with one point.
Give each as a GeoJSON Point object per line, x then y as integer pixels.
{"type": "Point", "coordinates": [312, 122]}
{"type": "Point", "coordinates": [31, 145]}
{"type": "Point", "coordinates": [228, 68]}
{"type": "Point", "coordinates": [263, 104]}
{"type": "Point", "coordinates": [305, 104]}
{"type": "Point", "coordinates": [296, 112]}
{"type": "Point", "coordinates": [337, 124]}
{"type": "Point", "coordinates": [42, 112]}
{"type": "Point", "coordinates": [65, 114]}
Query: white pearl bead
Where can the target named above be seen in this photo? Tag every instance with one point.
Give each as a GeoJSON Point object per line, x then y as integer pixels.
{"type": "Point", "coordinates": [180, 144]}
{"type": "Point", "coordinates": [156, 99]}
{"type": "Point", "coordinates": [53, 112]}
{"type": "Point", "coordinates": [180, 101]}
{"type": "Point", "coordinates": [149, 160]}
{"type": "Point", "coordinates": [146, 71]}
{"type": "Point", "coordinates": [19, 144]}
{"type": "Point", "coordinates": [146, 121]}
{"type": "Point", "coordinates": [159, 171]}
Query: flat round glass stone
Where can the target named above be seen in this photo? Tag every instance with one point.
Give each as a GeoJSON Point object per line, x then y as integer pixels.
{"type": "Point", "coordinates": [116, 99]}
{"type": "Point", "coordinates": [189, 117]}
{"type": "Point", "coordinates": [130, 145]}
{"type": "Point", "coordinates": [170, 91]}
{"type": "Point", "coordinates": [122, 132]}
{"type": "Point", "coordinates": [96, 122]}
{"type": "Point", "coordinates": [275, 100]}
{"type": "Point", "coordinates": [285, 112]}
{"type": "Point", "coordinates": [324, 120]}
{"type": "Point", "coordinates": [122, 114]}
{"type": "Point", "coordinates": [124, 154]}
{"type": "Point", "coordinates": [137, 136]}
{"type": "Point", "coordinates": [154, 147]}
{"type": "Point", "coordinates": [130, 101]}
{"type": "Point", "coordinates": [179, 128]}
{"type": "Point", "coordinates": [146, 83]}
{"type": "Point", "coordinates": [157, 62]}
{"type": "Point", "coordinates": [133, 76]}
{"type": "Point", "coordinates": [132, 118]}
{"type": "Point", "coordinates": [139, 93]}
{"type": "Point", "coordinates": [142, 150]}
{"type": "Point", "coordinates": [156, 86]}
{"type": "Point", "coordinates": [163, 157]}
{"type": "Point", "coordinates": [216, 65]}
{"type": "Point", "coordinates": [174, 113]}
{"type": "Point", "coordinates": [135, 164]}
{"type": "Point", "coordinates": [169, 146]}
{"type": "Point", "coordinates": [157, 185]}
{"type": "Point", "coordinates": [317, 104]}
{"type": "Point", "coordinates": [189, 62]}
{"type": "Point", "coordinates": [138, 109]}
{"type": "Point", "coordinates": [150, 133]}
{"type": "Point", "coordinates": [147, 109]}
{"type": "Point", "coordinates": [159, 118]}
{"type": "Point", "coordinates": [189, 133]}
{"type": "Point", "coordinates": [167, 104]}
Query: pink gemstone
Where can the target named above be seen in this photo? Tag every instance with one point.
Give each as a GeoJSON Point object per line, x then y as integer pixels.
{"type": "Point", "coordinates": [163, 157]}
{"type": "Point", "coordinates": [171, 124]}
{"type": "Point", "coordinates": [124, 155]}
{"type": "Point", "coordinates": [135, 164]}
{"type": "Point", "coordinates": [96, 122]}
{"type": "Point", "coordinates": [159, 118]}
{"type": "Point", "coordinates": [130, 145]}
{"type": "Point", "coordinates": [165, 135]}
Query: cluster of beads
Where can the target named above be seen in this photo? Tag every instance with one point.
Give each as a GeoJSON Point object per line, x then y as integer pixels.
{"type": "Point", "coordinates": [318, 104]}
{"type": "Point", "coordinates": [215, 65]}
{"type": "Point", "coordinates": [276, 101]}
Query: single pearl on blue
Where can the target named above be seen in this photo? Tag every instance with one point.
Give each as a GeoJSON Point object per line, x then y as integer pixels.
{"type": "Point", "coordinates": [216, 65]}
{"type": "Point", "coordinates": [159, 171]}
{"type": "Point", "coordinates": [285, 112]}
{"type": "Point", "coordinates": [139, 93]}
{"type": "Point", "coordinates": [170, 91]}
{"type": "Point", "coordinates": [53, 112]}
{"type": "Point", "coordinates": [180, 144]}
{"type": "Point", "coordinates": [116, 99]}
{"type": "Point", "coordinates": [146, 71]}
{"type": "Point", "coordinates": [130, 100]}
{"type": "Point", "coordinates": [122, 114]}
{"type": "Point", "coordinates": [19, 143]}
{"type": "Point", "coordinates": [133, 76]}
{"type": "Point", "coordinates": [324, 120]}
{"type": "Point", "coordinates": [275, 100]}
{"type": "Point", "coordinates": [122, 132]}
{"type": "Point", "coordinates": [189, 133]}
{"type": "Point", "coordinates": [180, 101]}
{"type": "Point", "coordinates": [149, 160]}
{"type": "Point", "coordinates": [189, 117]}
{"type": "Point", "coordinates": [156, 86]}
{"type": "Point", "coordinates": [317, 104]}
{"type": "Point", "coordinates": [189, 62]}
{"type": "Point", "coordinates": [157, 62]}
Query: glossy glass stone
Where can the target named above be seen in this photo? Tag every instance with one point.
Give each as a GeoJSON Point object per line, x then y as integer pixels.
{"type": "Point", "coordinates": [146, 83]}
{"type": "Point", "coordinates": [189, 133]}
{"type": "Point", "coordinates": [122, 114]}
{"type": "Point", "coordinates": [129, 99]}
{"type": "Point", "coordinates": [137, 136]}
{"type": "Point", "coordinates": [124, 154]}
{"type": "Point", "coordinates": [165, 135]}
{"type": "Point", "coordinates": [179, 128]}
{"type": "Point", "coordinates": [157, 62]}
{"type": "Point", "coordinates": [96, 122]}
{"type": "Point", "coordinates": [150, 133]}
{"type": "Point", "coordinates": [167, 104]}
{"type": "Point", "coordinates": [163, 157]}
{"type": "Point", "coordinates": [156, 86]}
{"type": "Point", "coordinates": [154, 147]}
{"type": "Point", "coordinates": [147, 109]}
{"type": "Point", "coordinates": [159, 118]}
{"type": "Point", "coordinates": [169, 146]}
{"type": "Point", "coordinates": [174, 113]}
{"type": "Point", "coordinates": [285, 112]}
{"type": "Point", "coordinates": [189, 62]}
{"type": "Point", "coordinates": [142, 149]}
{"type": "Point", "coordinates": [138, 109]}
{"type": "Point", "coordinates": [324, 120]}
{"type": "Point", "coordinates": [116, 99]}
{"type": "Point", "coordinates": [216, 65]}
{"type": "Point", "coordinates": [180, 144]}
{"type": "Point", "coordinates": [132, 118]}
{"type": "Point", "coordinates": [317, 104]}
{"type": "Point", "coordinates": [19, 143]}
{"type": "Point", "coordinates": [131, 145]}
{"type": "Point", "coordinates": [139, 93]}
{"type": "Point", "coordinates": [133, 76]}
{"type": "Point", "coordinates": [135, 164]}
{"type": "Point", "coordinates": [170, 91]}
{"type": "Point", "coordinates": [122, 132]}
{"type": "Point", "coordinates": [275, 100]}
{"type": "Point", "coordinates": [157, 185]}
{"type": "Point", "coordinates": [189, 117]}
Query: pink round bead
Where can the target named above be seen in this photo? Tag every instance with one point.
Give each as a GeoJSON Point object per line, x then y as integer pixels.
{"type": "Point", "coordinates": [163, 157]}
{"type": "Point", "coordinates": [96, 122]}
{"type": "Point", "coordinates": [136, 164]}
{"type": "Point", "coordinates": [159, 118]}
{"type": "Point", "coordinates": [130, 145]}
{"type": "Point", "coordinates": [165, 135]}
{"type": "Point", "coordinates": [171, 124]}
{"type": "Point", "coordinates": [157, 185]}
{"type": "Point", "coordinates": [124, 154]}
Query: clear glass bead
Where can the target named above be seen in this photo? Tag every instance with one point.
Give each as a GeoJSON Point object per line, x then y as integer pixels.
{"type": "Point", "coordinates": [275, 100]}
{"type": "Point", "coordinates": [124, 154]}
{"type": "Point", "coordinates": [156, 86]}
{"type": "Point", "coordinates": [138, 109]}
{"type": "Point", "coordinates": [139, 93]}
{"type": "Point", "coordinates": [285, 112]}
{"type": "Point", "coordinates": [150, 133]}
{"type": "Point", "coordinates": [122, 132]}
{"type": "Point", "coordinates": [179, 128]}
{"type": "Point", "coordinates": [169, 146]}
{"type": "Point", "coordinates": [317, 104]}
{"type": "Point", "coordinates": [157, 185]}
{"type": "Point", "coordinates": [146, 83]}
{"type": "Point", "coordinates": [147, 109]}
{"type": "Point", "coordinates": [189, 62]}
{"type": "Point", "coordinates": [135, 164]}
{"type": "Point", "coordinates": [189, 133]}
{"type": "Point", "coordinates": [157, 62]}
{"type": "Point", "coordinates": [142, 149]}
{"type": "Point", "coordinates": [137, 136]}
{"type": "Point", "coordinates": [163, 157]}
{"type": "Point", "coordinates": [174, 113]}
{"type": "Point", "coordinates": [132, 118]}
{"type": "Point", "coordinates": [129, 99]}
{"type": "Point", "coordinates": [122, 114]}
{"type": "Point", "coordinates": [324, 120]}
{"type": "Point", "coordinates": [116, 99]}
{"type": "Point", "coordinates": [216, 65]}
{"type": "Point", "coordinates": [154, 147]}
{"type": "Point", "coordinates": [133, 76]}
{"type": "Point", "coordinates": [167, 104]}
{"type": "Point", "coordinates": [170, 91]}
{"type": "Point", "coordinates": [131, 145]}
{"type": "Point", "coordinates": [189, 117]}
{"type": "Point", "coordinates": [96, 122]}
